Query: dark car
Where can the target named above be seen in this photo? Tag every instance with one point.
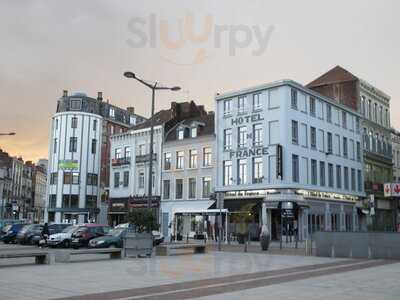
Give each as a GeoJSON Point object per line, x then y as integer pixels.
{"type": "Point", "coordinates": [82, 236]}
{"type": "Point", "coordinates": [30, 234]}
{"type": "Point", "coordinates": [112, 239]}
{"type": "Point", "coordinates": [10, 232]}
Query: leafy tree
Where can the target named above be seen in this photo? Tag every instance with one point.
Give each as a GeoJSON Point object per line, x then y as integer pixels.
{"type": "Point", "coordinates": [144, 219]}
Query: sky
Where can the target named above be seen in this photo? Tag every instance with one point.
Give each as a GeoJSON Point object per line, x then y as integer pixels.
{"type": "Point", "coordinates": [205, 47]}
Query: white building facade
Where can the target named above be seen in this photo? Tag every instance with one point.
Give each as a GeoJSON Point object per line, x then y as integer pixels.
{"type": "Point", "coordinates": [395, 137]}
{"type": "Point", "coordinates": [129, 171]}
{"type": "Point", "coordinates": [283, 142]}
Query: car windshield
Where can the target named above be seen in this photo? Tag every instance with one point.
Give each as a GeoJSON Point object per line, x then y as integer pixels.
{"type": "Point", "coordinates": [82, 229]}
{"type": "Point", "coordinates": [6, 228]}
{"type": "Point", "coordinates": [116, 231]}
{"type": "Point", "coordinates": [69, 229]}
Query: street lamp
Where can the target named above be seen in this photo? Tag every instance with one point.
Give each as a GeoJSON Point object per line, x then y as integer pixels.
{"type": "Point", "coordinates": [153, 88]}
{"type": "Point", "coordinates": [9, 133]}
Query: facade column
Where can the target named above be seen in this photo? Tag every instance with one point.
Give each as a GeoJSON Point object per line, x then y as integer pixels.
{"type": "Point", "coordinates": [57, 217]}
{"type": "Point", "coordinates": [342, 218]}
{"type": "Point", "coordinates": [305, 223]}
{"type": "Point", "coordinates": [355, 219]}
{"type": "Point", "coordinates": [328, 225]}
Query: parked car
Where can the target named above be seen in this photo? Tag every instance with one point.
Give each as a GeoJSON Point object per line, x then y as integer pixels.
{"type": "Point", "coordinates": [30, 234]}
{"type": "Point", "coordinates": [82, 236]}
{"type": "Point", "coordinates": [114, 238]}
{"type": "Point", "coordinates": [10, 232]}
{"type": "Point", "coordinates": [63, 238]}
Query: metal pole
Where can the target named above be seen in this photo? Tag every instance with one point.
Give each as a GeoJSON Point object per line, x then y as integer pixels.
{"type": "Point", "coordinates": [151, 148]}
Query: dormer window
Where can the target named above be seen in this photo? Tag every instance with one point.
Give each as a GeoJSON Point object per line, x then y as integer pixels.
{"type": "Point", "coordinates": [193, 132]}
{"type": "Point", "coordinates": [112, 112]}
{"type": "Point", "coordinates": [181, 133]}
{"type": "Point", "coordinates": [132, 120]}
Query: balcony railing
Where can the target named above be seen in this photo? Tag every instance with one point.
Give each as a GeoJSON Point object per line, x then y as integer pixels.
{"type": "Point", "coordinates": [120, 161]}
{"type": "Point", "coordinates": [145, 158]}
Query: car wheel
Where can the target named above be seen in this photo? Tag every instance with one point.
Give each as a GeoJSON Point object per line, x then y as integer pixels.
{"type": "Point", "coordinates": [6, 242]}
{"type": "Point", "coordinates": [66, 244]}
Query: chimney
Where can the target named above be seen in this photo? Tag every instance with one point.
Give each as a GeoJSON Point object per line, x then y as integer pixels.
{"type": "Point", "coordinates": [65, 93]}
{"type": "Point", "coordinates": [100, 96]}
{"type": "Point", "coordinates": [131, 110]}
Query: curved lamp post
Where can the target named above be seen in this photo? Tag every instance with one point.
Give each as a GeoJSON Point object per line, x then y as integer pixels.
{"type": "Point", "coordinates": [9, 133]}
{"type": "Point", "coordinates": [153, 88]}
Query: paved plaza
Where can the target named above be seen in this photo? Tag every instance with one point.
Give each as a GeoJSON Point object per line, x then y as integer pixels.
{"type": "Point", "coordinates": [216, 275]}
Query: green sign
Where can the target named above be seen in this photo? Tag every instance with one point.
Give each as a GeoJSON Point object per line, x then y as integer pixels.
{"type": "Point", "coordinates": [68, 164]}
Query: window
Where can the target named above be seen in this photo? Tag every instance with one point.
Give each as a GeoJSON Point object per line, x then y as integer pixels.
{"type": "Point", "coordinates": [181, 133]}
{"type": "Point", "coordinates": [127, 151]}
{"type": "Point", "coordinates": [387, 117]}
{"type": "Point", "coordinates": [192, 188]}
{"type": "Point", "coordinates": [344, 119]}
{"type": "Point", "coordinates": [227, 176]}
{"type": "Point", "coordinates": [330, 147]}
{"type": "Point", "coordinates": [192, 159]}
{"type": "Point", "coordinates": [295, 168]}
{"type": "Point", "coordinates": [56, 124]}
{"type": "Point", "coordinates": [242, 171]}
{"type": "Point", "coordinates": [329, 113]}
{"type": "Point", "coordinates": [313, 172]}
{"type": "Point", "coordinates": [71, 178]}
{"type": "Point", "coordinates": [338, 176]}
{"type": "Point", "coordinates": [76, 104]}
{"type": "Point", "coordinates": [193, 132]}
{"type": "Point", "coordinates": [380, 115]}
{"type": "Point", "coordinates": [312, 106]}
{"type": "Point", "coordinates": [70, 201]}
{"type": "Point", "coordinates": [116, 179]}
{"type": "Point", "coordinates": [92, 179]}
{"type": "Point", "coordinates": [345, 150]}
{"type": "Point", "coordinates": [53, 178]}
{"type": "Point", "coordinates": [362, 106]}
{"type": "Point", "coordinates": [258, 173]}
{"type": "Point", "coordinates": [358, 150]}
{"type": "Point", "coordinates": [126, 178]}
{"type": "Point", "coordinates": [94, 144]}
{"type": "Point", "coordinates": [359, 180]}
{"type": "Point", "coordinates": [293, 99]}
{"type": "Point", "coordinates": [295, 132]}
{"type": "Point", "coordinates": [206, 187]}
{"type": "Point", "coordinates": [52, 201]}
{"type": "Point", "coordinates": [118, 153]}
{"type": "Point", "coordinates": [313, 137]}
{"type": "Point", "coordinates": [180, 155]}
{"type": "Point", "coordinates": [242, 134]}
{"type": "Point", "coordinates": [74, 122]}
{"type": "Point", "coordinates": [55, 146]}
{"type": "Point", "coordinates": [178, 188]}
{"type": "Point", "coordinates": [166, 189]}
{"type": "Point", "coordinates": [256, 101]}
{"type": "Point", "coordinates": [90, 202]}
{"type": "Point", "coordinates": [141, 179]}
{"type": "Point", "coordinates": [346, 178]}
{"type": "Point", "coordinates": [241, 104]}
{"type": "Point", "coordinates": [330, 175]}
{"type": "Point", "coordinates": [167, 161]}
{"type": "Point", "coordinates": [132, 120]}
{"type": "Point", "coordinates": [369, 109]}
{"type": "Point", "coordinates": [357, 125]}
{"type": "Point", "coordinates": [207, 157]}
{"type": "Point", "coordinates": [257, 135]}
{"type": "Point", "coordinates": [227, 139]}
{"type": "Point", "coordinates": [94, 125]}
{"type": "Point", "coordinates": [353, 179]}
{"type": "Point", "coordinates": [227, 106]}
{"type": "Point", "coordinates": [111, 129]}
{"type": "Point", "coordinates": [375, 112]}
{"type": "Point", "coordinates": [73, 144]}
{"type": "Point", "coordinates": [142, 149]}
{"type": "Point", "coordinates": [112, 112]}
{"type": "Point", "coordinates": [322, 173]}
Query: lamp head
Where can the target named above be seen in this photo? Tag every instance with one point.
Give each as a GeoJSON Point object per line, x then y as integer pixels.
{"type": "Point", "coordinates": [129, 75]}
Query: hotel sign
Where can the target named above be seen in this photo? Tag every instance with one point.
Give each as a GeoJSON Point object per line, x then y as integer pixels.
{"type": "Point", "coordinates": [68, 164]}
{"type": "Point", "coordinates": [248, 152]}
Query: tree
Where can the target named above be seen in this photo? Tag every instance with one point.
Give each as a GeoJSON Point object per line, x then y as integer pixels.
{"type": "Point", "coordinates": [144, 219]}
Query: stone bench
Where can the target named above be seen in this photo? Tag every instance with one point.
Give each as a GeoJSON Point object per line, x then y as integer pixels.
{"type": "Point", "coordinates": [65, 256]}
{"type": "Point", "coordinates": [41, 256]}
{"type": "Point", "coordinates": [165, 250]}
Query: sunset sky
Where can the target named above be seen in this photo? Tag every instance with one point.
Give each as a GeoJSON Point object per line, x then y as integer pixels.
{"type": "Point", "coordinates": [85, 46]}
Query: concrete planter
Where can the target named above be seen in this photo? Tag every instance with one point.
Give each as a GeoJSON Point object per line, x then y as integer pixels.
{"type": "Point", "coordinates": [138, 244]}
